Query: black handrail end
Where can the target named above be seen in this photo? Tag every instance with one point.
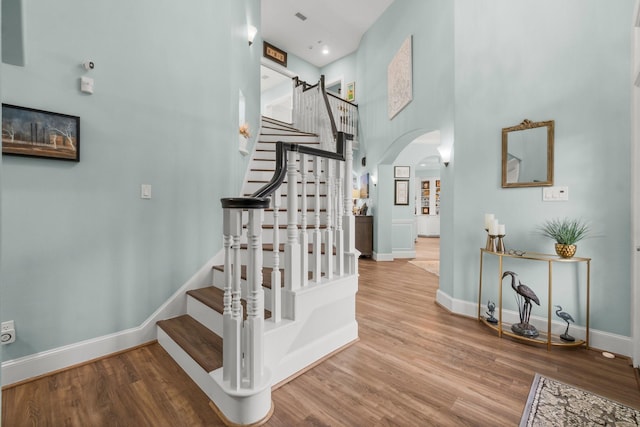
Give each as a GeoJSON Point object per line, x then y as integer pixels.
{"type": "Point", "coordinates": [245, 202]}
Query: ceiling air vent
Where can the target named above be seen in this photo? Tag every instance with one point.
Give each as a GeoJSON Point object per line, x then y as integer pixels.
{"type": "Point", "coordinates": [301, 16]}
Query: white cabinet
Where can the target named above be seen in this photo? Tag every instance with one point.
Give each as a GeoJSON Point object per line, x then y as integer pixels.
{"type": "Point", "coordinates": [428, 207]}
{"type": "Point", "coordinates": [428, 225]}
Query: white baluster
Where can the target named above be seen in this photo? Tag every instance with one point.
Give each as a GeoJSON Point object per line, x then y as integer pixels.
{"type": "Point", "coordinates": [232, 314]}
{"type": "Point", "coordinates": [339, 237]}
{"type": "Point", "coordinates": [292, 247]}
{"type": "Point", "coordinates": [317, 235]}
{"type": "Point", "coordinates": [254, 325]}
{"type": "Point", "coordinates": [276, 315]}
{"type": "Point", "coordinates": [304, 237]}
{"type": "Point", "coordinates": [328, 234]}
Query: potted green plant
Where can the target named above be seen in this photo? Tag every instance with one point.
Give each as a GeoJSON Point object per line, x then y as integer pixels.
{"type": "Point", "coordinates": [566, 232]}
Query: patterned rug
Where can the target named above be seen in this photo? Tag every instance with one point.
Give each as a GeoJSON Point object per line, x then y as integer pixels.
{"type": "Point", "coordinates": [552, 403]}
{"type": "Point", "coordinates": [432, 267]}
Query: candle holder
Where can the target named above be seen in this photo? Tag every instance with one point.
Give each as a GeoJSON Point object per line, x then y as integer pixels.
{"type": "Point", "coordinates": [492, 243]}
{"type": "Point", "coordinates": [488, 245]}
{"type": "Point", "coordinates": [500, 243]}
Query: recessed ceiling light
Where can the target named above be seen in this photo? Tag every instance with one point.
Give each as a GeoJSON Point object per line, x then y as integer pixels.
{"type": "Point", "coordinates": [325, 50]}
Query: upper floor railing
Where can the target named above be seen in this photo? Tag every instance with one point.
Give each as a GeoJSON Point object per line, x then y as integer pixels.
{"type": "Point", "coordinates": [317, 111]}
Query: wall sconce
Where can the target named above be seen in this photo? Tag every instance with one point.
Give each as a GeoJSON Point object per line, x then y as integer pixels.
{"type": "Point", "coordinates": [445, 154]}
{"type": "Point", "coordinates": [251, 33]}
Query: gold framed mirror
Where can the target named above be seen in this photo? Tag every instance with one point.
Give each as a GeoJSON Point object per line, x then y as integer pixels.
{"type": "Point", "coordinates": [527, 154]}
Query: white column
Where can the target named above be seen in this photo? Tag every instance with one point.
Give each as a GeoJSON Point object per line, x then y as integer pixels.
{"type": "Point", "coordinates": [348, 220]}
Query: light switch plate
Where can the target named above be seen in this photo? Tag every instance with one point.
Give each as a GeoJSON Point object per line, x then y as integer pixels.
{"type": "Point", "coordinates": [555, 194]}
{"type": "Point", "coordinates": [145, 191]}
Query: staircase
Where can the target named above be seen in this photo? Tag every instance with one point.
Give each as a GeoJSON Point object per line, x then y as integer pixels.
{"type": "Point", "coordinates": [285, 296]}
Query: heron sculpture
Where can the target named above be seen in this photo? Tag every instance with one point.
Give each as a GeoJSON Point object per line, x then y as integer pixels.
{"type": "Point", "coordinates": [524, 296]}
{"type": "Point", "coordinates": [567, 318]}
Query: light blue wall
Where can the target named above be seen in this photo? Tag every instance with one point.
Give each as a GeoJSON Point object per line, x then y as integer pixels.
{"type": "Point", "coordinates": [345, 69]}
{"type": "Point", "coordinates": [304, 70]}
{"type": "Point", "coordinates": [431, 25]}
{"type": "Point", "coordinates": [566, 61]}
{"type": "Point", "coordinates": [83, 255]}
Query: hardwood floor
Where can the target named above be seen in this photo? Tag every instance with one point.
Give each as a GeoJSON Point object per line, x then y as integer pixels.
{"type": "Point", "coordinates": [415, 365]}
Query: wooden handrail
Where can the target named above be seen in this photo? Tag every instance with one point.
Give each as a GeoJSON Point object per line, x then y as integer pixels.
{"type": "Point", "coordinates": [343, 100]}
{"type": "Point", "coordinates": [259, 199]}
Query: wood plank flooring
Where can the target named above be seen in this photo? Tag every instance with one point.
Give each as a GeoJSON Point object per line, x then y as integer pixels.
{"type": "Point", "coordinates": [415, 365]}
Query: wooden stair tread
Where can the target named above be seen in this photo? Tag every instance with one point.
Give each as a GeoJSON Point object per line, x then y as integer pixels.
{"type": "Point", "coordinates": [284, 195]}
{"type": "Point", "coordinates": [213, 298]}
{"type": "Point", "coordinates": [204, 346]}
{"type": "Point", "coordinates": [284, 227]}
{"type": "Point", "coordinates": [266, 272]}
{"type": "Point", "coordinates": [269, 248]}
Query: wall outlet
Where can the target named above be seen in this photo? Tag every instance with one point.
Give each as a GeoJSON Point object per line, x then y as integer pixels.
{"type": "Point", "coordinates": [7, 332]}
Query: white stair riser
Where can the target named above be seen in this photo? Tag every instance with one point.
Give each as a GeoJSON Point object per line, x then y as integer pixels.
{"type": "Point", "coordinates": [282, 218]}
{"type": "Point", "coordinates": [257, 180]}
{"type": "Point", "coordinates": [285, 137]}
{"type": "Point", "coordinates": [266, 160]}
{"type": "Point", "coordinates": [204, 314]}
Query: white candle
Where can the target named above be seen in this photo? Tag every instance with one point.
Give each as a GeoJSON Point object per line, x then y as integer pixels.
{"type": "Point", "coordinates": [493, 228]}
{"type": "Point", "coordinates": [488, 219]}
{"type": "Point", "coordinates": [501, 230]}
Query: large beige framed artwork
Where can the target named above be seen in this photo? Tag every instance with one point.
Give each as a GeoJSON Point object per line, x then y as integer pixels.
{"type": "Point", "coordinates": [399, 79]}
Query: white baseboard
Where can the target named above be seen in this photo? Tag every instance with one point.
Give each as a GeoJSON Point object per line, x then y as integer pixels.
{"type": "Point", "coordinates": [45, 362]}
{"type": "Point", "coordinates": [382, 257]}
{"type": "Point", "coordinates": [404, 254]}
{"type": "Point", "coordinates": [614, 343]}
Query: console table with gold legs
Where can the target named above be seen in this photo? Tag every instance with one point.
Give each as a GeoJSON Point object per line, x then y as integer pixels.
{"type": "Point", "coordinates": [544, 338]}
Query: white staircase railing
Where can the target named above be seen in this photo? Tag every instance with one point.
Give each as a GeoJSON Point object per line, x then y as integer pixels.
{"type": "Point", "coordinates": [316, 111]}
{"type": "Point", "coordinates": [309, 258]}
{"type": "Point", "coordinates": [331, 254]}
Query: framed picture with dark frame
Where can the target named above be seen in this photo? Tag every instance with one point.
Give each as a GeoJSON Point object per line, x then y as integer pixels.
{"type": "Point", "coordinates": [402, 172]}
{"type": "Point", "coordinates": [37, 133]}
{"type": "Point", "coordinates": [401, 193]}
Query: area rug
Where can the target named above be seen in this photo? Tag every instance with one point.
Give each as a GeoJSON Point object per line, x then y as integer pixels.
{"type": "Point", "coordinates": [432, 267]}
{"type": "Point", "coordinates": [553, 403]}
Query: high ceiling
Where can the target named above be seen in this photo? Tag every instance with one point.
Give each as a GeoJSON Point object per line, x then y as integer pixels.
{"type": "Point", "coordinates": [337, 25]}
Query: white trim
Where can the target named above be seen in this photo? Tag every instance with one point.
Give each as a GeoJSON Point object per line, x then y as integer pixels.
{"type": "Point", "coordinates": [618, 344]}
{"type": "Point", "coordinates": [37, 364]}
{"type": "Point", "coordinates": [276, 67]}
{"type": "Point", "coordinates": [404, 254]}
{"type": "Point", "coordinates": [382, 257]}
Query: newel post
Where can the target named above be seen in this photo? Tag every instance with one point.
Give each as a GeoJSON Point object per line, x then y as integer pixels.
{"type": "Point", "coordinates": [348, 220]}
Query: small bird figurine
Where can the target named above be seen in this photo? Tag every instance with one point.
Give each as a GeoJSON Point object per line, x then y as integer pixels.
{"type": "Point", "coordinates": [567, 318]}
{"type": "Point", "coordinates": [491, 308]}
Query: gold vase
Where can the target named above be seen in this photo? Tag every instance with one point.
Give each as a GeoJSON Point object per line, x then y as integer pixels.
{"type": "Point", "coordinates": [566, 251]}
